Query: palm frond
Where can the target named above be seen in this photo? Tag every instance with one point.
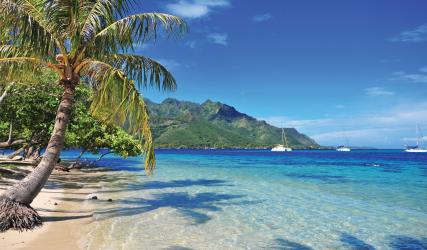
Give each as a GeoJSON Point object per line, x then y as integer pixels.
{"type": "Point", "coordinates": [117, 100]}
{"type": "Point", "coordinates": [145, 71]}
{"type": "Point", "coordinates": [95, 15]}
{"type": "Point", "coordinates": [102, 37]}
{"type": "Point", "coordinates": [15, 62]}
{"type": "Point", "coordinates": [26, 20]}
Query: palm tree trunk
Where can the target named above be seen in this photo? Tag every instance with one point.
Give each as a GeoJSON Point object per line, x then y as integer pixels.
{"type": "Point", "coordinates": [15, 210]}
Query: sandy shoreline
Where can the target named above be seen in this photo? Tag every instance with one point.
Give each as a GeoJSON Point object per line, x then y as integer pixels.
{"type": "Point", "coordinates": [62, 222]}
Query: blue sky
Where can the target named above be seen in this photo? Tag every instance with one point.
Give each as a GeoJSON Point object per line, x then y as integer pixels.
{"type": "Point", "coordinates": [320, 66]}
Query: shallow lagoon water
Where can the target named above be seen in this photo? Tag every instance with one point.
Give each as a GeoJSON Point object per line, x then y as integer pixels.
{"type": "Point", "coordinates": [256, 199]}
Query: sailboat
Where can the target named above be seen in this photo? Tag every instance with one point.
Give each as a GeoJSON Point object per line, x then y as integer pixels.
{"type": "Point", "coordinates": [282, 147]}
{"type": "Point", "coordinates": [420, 145]}
{"type": "Point", "coordinates": [344, 148]}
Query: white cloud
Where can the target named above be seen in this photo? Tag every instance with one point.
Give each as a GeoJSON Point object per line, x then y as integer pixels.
{"type": "Point", "coordinates": [283, 121]}
{"type": "Point", "coordinates": [262, 17]}
{"type": "Point", "coordinates": [424, 69]}
{"type": "Point", "coordinates": [214, 3]}
{"type": "Point", "coordinates": [420, 77]}
{"type": "Point", "coordinates": [366, 136]}
{"type": "Point", "coordinates": [195, 8]}
{"type": "Point", "coordinates": [413, 139]}
{"type": "Point", "coordinates": [378, 91]}
{"type": "Point", "coordinates": [386, 129]}
{"type": "Point", "coordinates": [416, 35]}
{"type": "Point", "coordinates": [218, 38]}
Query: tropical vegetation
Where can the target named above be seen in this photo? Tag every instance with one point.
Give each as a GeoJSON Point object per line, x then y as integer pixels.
{"type": "Point", "coordinates": [91, 40]}
{"type": "Point", "coordinates": [26, 128]}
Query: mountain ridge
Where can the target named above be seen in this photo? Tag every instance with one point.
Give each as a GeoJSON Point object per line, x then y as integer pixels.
{"type": "Point", "coordinates": [185, 124]}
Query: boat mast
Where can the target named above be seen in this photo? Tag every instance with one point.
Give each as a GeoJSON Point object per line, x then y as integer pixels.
{"type": "Point", "coordinates": [345, 138]}
{"type": "Point", "coordinates": [420, 138]}
{"type": "Point", "coordinates": [417, 133]}
{"type": "Point", "coordinates": [284, 139]}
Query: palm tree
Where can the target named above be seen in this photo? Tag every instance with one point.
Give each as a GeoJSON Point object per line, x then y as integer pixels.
{"type": "Point", "coordinates": [89, 40]}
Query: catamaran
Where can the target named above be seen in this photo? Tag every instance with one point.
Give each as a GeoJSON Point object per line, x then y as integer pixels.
{"type": "Point", "coordinates": [420, 144]}
{"type": "Point", "coordinates": [282, 147]}
{"type": "Point", "coordinates": [344, 148]}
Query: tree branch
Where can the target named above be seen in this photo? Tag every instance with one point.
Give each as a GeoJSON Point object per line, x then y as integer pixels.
{"type": "Point", "coordinates": [11, 143]}
{"type": "Point", "coordinates": [102, 156]}
{"type": "Point", "coordinates": [5, 93]}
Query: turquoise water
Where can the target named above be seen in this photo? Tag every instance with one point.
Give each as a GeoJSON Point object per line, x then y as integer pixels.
{"type": "Point", "coordinates": [255, 199]}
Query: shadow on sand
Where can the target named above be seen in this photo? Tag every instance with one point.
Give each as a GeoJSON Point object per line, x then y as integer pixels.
{"type": "Point", "coordinates": [196, 208]}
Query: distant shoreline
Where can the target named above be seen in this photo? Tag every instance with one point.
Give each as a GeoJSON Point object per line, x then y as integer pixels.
{"type": "Point", "coordinates": [267, 148]}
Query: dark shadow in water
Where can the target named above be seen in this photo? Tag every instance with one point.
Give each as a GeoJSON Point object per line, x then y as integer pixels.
{"type": "Point", "coordinates": [196, 217]}
{"type": "Point", "coordinates": [194, 207]}
{"type": "Point", "coordinates": [402, 242]}
{"type": "Point", "coordinates": [355, 243]}
{"type": "Point", "coordinates": [191, 207]}
{"type": "Point", "coordinates": [184, 183]}
{"type": "Point", "coordinates": [331, 179]}
{"type": "Point", "coordinates": [284, 244]}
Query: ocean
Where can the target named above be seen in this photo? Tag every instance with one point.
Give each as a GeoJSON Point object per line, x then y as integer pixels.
{"type": "Point", "coordinates": [257, 199]}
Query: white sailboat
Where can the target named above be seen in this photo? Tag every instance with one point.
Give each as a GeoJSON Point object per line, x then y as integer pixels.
{"type": "Point", "coordinates": [344, 148]}
{"type": "Point", "coordinates": [420, 144]}
{"type": "Point", "coordinates": [282, 147]}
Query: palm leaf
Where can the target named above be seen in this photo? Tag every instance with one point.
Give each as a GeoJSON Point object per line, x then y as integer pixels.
{"type": "Point", "coordinates": [29, 25]}
{"type": "Point", "coordinates": [117, 100]}
{"type": "Point", "coordinates": [145, 71]}
{"type": "Point", "coordinates": [102, 38]}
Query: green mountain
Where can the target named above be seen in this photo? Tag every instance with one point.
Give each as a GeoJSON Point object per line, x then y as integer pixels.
{"type": "Point", "coordinates": [183, 124]}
